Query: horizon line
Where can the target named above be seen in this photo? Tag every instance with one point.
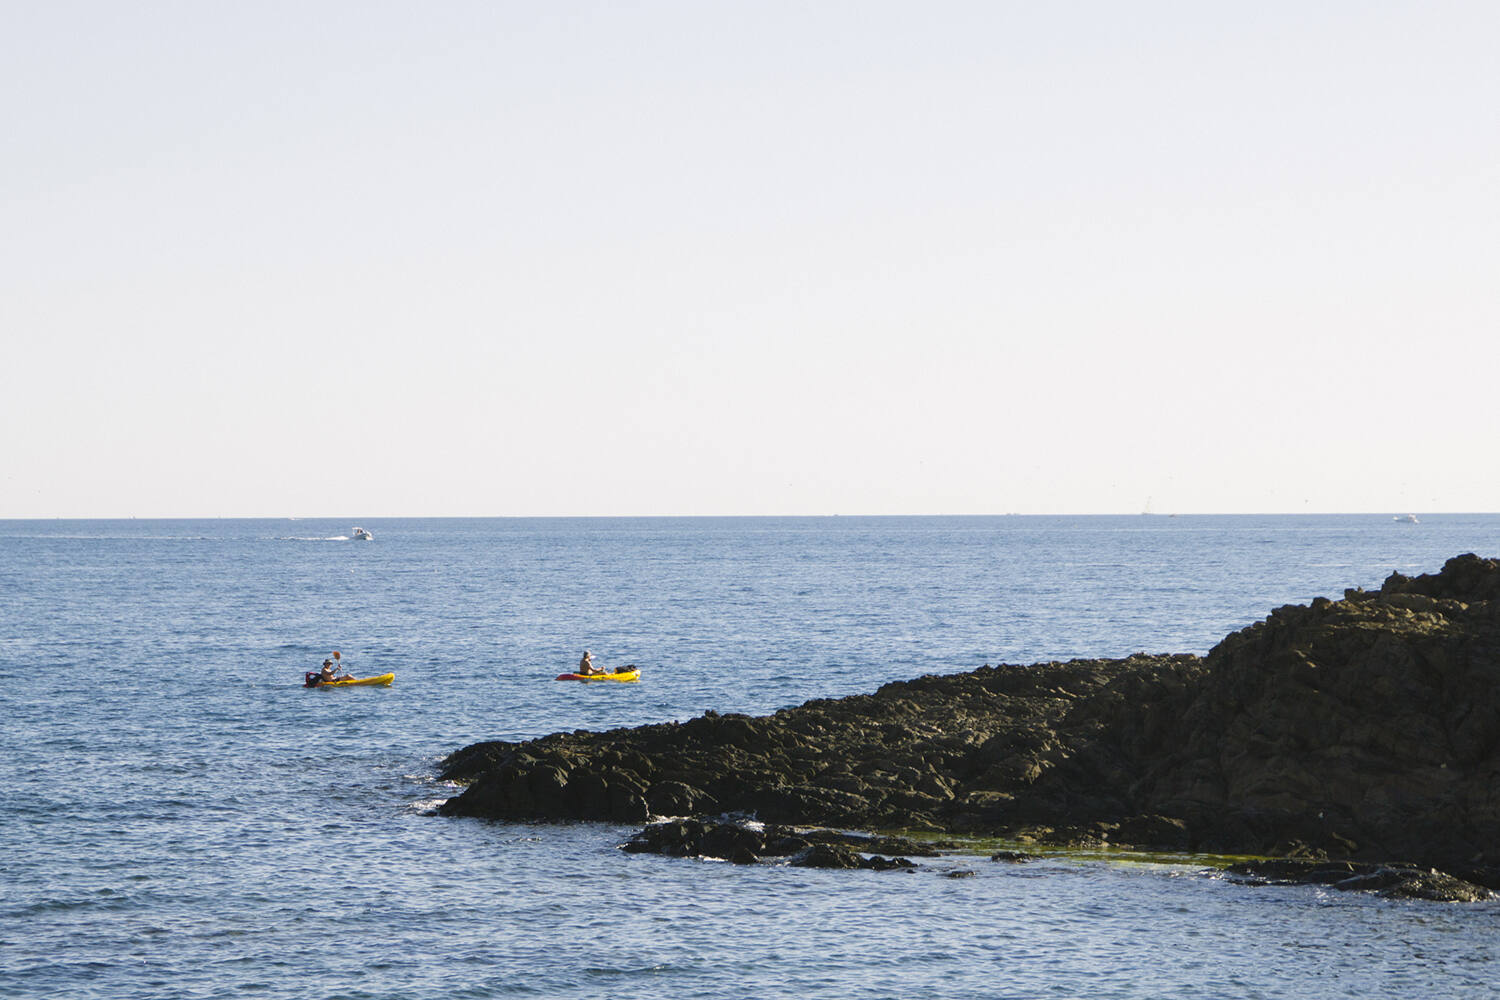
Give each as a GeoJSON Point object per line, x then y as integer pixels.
{"type": "Point", "coordinates": [497, 517]}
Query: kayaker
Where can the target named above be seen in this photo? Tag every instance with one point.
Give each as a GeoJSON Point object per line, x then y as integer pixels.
{"type": "Point", "coordinates": [586, 665]}
{"type": "Point", "coordinates": [333, 672]}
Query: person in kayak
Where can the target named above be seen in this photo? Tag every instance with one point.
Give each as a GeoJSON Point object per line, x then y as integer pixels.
{"type": "Point", "coordinates": [586, 665]}
{"type": "Point", "coordinates": [331, 673]}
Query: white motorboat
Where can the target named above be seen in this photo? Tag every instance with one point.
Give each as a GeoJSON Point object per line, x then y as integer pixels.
{"type": "Point", "coordinates": [361, 535]}
{"type": "Point", "coordinates": [1408, 519]}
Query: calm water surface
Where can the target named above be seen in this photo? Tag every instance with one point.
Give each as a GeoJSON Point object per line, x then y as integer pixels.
{"type": "Point", "coordinates": [180, 818]}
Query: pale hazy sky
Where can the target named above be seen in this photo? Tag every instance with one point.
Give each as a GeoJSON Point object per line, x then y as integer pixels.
{"type": "Point", "coordinates": [489, 258]}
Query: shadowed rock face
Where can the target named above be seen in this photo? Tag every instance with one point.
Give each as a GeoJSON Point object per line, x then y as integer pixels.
{"type": "Point", "coordinates": [1366, 727]}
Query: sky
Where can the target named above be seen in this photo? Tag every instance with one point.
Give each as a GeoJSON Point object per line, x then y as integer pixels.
{"type": "Point", "coordinates": [665, 258]}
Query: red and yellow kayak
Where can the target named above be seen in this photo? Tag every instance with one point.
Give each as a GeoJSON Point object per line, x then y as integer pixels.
{"type": "Point", "coordinates": [381, 680]}
{"type": "Point", "coordinates": [625, 675]}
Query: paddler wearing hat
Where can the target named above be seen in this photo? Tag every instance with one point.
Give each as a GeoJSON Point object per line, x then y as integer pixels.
{"type": "Point", "coordinates": [332, 670]}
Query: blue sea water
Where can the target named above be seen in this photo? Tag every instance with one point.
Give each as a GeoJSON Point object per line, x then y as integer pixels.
{"type": "Point", "coordinates": [180, 818]}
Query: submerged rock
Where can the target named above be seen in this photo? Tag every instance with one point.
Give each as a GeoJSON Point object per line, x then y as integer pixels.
{"type": "Point", "coordinates": [1365, 728]}
{"type": "Point", "coordinates": [1390, 881]}
{"type": "Point", "coordinates": [838, 856]}
{"type": "Point", "coordinates": [746, 842]}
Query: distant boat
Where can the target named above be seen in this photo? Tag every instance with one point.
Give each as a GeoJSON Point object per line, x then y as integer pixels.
{"type": "Point", "coordinates": [1406, 519]}
{"type": "Point", "coordinates": [361, 535]}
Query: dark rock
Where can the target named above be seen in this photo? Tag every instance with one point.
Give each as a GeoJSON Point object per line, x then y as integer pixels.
{"type": "Point", "coordinates": [1159, 833]}
{"type": "Point", "coordinates": [675, 798]}
{"type": "Point", "coordinates": [676, 837]}
{"type": "Point", "coordinates": [1362, 728]}
{"type": "Point", "coordinates": [1487, 876]}
{"type": "Point", "coordinates": [825, 856]}
{"type": "Point", "coordinates": [1435, 886]}
{"type": "Point", "coordinates": [472, 761]}
{"type": "Point", "coordinates": [839, 856]}
{"type": "Point", "coordinates": [745, 842]}
{"type": "Point", "coordinates": [733, 843]}
{"type": "Point", "coordinates": [1390, 881]}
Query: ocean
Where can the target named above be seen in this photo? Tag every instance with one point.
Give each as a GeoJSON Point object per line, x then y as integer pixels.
{"type": "Point", "coordinates": [179, 817]}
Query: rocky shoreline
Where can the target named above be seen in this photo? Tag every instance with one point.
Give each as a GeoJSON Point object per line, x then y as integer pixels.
{"type": "Point", "coordinates": [1363, 730]}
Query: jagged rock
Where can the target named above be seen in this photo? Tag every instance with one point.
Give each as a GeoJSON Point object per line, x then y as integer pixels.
{"type": "Point", "coordinates": [1363, 728]}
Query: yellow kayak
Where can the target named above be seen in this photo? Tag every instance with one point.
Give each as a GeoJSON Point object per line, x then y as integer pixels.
{"type": "Point", "coordinates": [625, 675]}
{"type": "Point", "coordinates": [382, 680]}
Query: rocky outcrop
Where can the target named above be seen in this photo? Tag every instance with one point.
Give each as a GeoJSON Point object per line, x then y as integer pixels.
{"type": "Point", "coordinates": [968, 752]}
{"type": "Point", "coordinates": [1367, 727]}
